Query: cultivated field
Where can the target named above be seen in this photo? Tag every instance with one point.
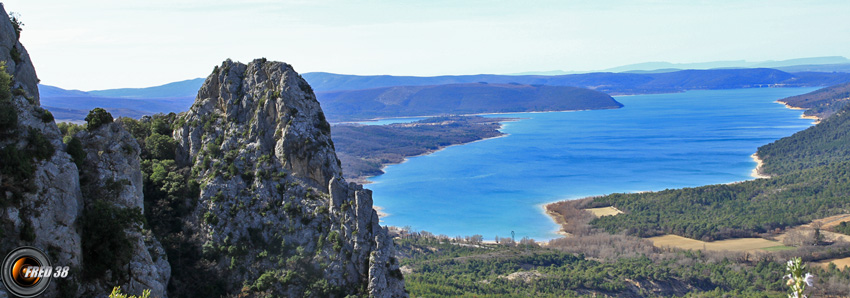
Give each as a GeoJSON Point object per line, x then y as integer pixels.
{"type": "Point", "coordinates": [826, 224]}
{"type": "Point", "coordinates": [604, 211]}
{"type": "Point", "coordinates": [840, 263]}
{"type": "Point", "coordinates": [740, 244]}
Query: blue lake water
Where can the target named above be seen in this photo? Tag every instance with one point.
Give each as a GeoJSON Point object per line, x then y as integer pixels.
{"type": "Point", "coordinates": [654, 142]}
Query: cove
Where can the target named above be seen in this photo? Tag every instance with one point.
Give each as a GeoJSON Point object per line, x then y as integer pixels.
{"type": "Point", "coordinates": [655, 142]}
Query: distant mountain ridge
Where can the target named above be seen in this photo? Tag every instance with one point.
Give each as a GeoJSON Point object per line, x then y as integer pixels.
{"type": "Point", "coordinates": [663, 65]}
{"type": "Point", "coordinates": [334, 89]}
{"type": "Point", "coordinates": [74, 105]}
{"type": "Point", "coordinates": [181, 89]}
{"type": "Point", "coordinates": [612, 83]}
{"type": "Point", "coordinates": [469, 98]}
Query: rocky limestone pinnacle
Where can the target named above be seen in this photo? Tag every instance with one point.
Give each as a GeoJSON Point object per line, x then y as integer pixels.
{"type": "Point", "coordinates": [258, 143]}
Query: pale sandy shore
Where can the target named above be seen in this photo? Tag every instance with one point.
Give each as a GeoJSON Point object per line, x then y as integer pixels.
{"type": "Point", "coordinates": [816, 119]}
{"type": "Point", "coordinates": [557, 218]}
{"type": "Point", "coordinates": [757, 173]}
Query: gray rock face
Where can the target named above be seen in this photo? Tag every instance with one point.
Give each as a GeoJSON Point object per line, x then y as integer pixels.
{"type": "Point", "coordinates": [45, 214]}
{"type": "Point", "coordinates": [112, 158]}
{"type": "Point", "coordinates": [273, 201]}
{"type": "Point", "coordinates": [45, 209]}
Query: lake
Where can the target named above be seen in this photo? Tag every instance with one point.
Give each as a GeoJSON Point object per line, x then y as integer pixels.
{"type": "Point", "coordinates": [655, 142]}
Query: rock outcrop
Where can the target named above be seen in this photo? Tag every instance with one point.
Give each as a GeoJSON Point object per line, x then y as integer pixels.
{"type": "Point", "coordinates": [111, 174]}
{"type": "Point", "coordinates": [42, 202]}
{"type": "Point", "coordinates": [264, 210]}
{"type": "Point", "coordinates": [274, 211]}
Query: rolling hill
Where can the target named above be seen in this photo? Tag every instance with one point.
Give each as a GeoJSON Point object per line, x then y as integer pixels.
{"type": "Point", "coordinates": [612, 83]}
{"type": "Point", "coordinates": [459, 99]}
{"type": "Point", "coordinates": [821, 103]}
{"type": "Point", "coordinates": [351, 97]}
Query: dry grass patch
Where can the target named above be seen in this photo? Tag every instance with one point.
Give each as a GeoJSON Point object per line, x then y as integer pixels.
{"type": "Point", "coordinates": [604, 211]}
{"type": "Point", "coordinates": [831, 221]}
{"type": "Point", "coordinates": [803, 234]}
{"type": "Point", "coordinates": [740, 244]}
{"type": "Point", "coordinates": [840, 263]}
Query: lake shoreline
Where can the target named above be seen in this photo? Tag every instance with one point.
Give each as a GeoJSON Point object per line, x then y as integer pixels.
{"type": "Point", "coordinates": [366, 180]}
{"type": "Point", "coordinates": [473, 114]}
{"type": "Point", "coordinates": [757, 173]}
{"type": "Point", "coordinates": [565, 127]}
{"type": "Point", "coordinates": [815, 119]}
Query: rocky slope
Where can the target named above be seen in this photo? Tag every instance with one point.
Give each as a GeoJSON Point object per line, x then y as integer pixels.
{"type": "Point", "coordinates": [271, 216]}
{"type": "Point", "coordinates": [274, 213]}
{"type": "Point", "coordinates": [47, 202]}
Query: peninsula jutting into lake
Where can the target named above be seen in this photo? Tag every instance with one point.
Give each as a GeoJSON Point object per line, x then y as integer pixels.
{"type": "Point", "coordinates": [654, 142]}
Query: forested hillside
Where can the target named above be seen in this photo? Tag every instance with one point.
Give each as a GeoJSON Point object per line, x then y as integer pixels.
{"type": "Point", "coordinates": [611, 83]}
{"type": "Point", "coordinates": [723, 211]}
{"type": "Point", "coordinates": [365, 149]}
{"type": "Point", "coordinates": [821, 103]}
{"type": "Point", "coordinates": [819, 145]}
{"type": "Point", "coordinates": [606, 257]}
{"type": "Point", "coordinates": [811, 180]}
{"type": "Point", "coordinates": [593, 266]}
{"type": "Point", "coordinates": [459, 99]}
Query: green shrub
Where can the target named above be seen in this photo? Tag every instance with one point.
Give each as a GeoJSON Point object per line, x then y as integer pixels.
{"type": "Point", "coordinates": [160, 147]}
{"type": "Point", "coordinates": [69, 129]}
{"type": "Point", "coordinates": [15, 163]}
{"type": "Point", "coordinates": [15, 19]}
{"type": "Point", "coordinates": [46, 116]}
{"type": "Point", "coordinates": [96, 118]}
{"type": "Point", "coordinates": [75, 149]}
{"type": "Point", "coordinates": [106, 245]}
{"type": "Point", "coordinates": [39, 146]}
{"type": "Point", "coordinates": [265, 282]}
{"type": "Point", "coordinates": [210, 218]}
{"type": "Point", "coordinates": [116, 293]}
{"type": "Point", "coordinates": [247, 176]}
{"type": "Point", "coordinates": [843, 228]}
{"type": "Point", "coordinates": [8, 113]}
{"type": "Point", "coordinates": [160, 126]}
{"type": "Point", "coordinates": [16, 55]}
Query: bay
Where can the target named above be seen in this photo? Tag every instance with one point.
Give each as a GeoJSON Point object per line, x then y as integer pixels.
{"type": "Point", "coordinates": [658, 141]}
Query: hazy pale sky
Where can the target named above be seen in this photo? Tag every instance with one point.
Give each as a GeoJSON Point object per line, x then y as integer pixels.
{"type": "Point", "coordinates": [101, 44]}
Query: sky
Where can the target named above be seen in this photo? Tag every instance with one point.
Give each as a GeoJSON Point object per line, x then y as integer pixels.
{"type": "Point", "coordinates": [104, 44]}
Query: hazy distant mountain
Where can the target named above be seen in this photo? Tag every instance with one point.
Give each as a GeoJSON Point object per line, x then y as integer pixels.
{"type": "Point", "coordinates": [459, 99]}
{"type": "Point", "coordinates": [729, 64]}
{"type": "Point", "coordinates": [74, 105]}
{"type": "Point", "coordinates": [612, 83]}
{"type": "Point", "coordinates": [187, 88]}
{"type": "Point", "coordinates": [661, 66]}
{"type": "Point", "coordinates": [546, 73]}
{"type": "Point", "coordinates": [177, 97]}
{"type": "Point", "coordinates": [843, 67]}
{"type": "Point", "coordinates": [50, 91]}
